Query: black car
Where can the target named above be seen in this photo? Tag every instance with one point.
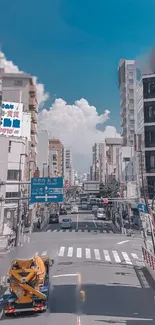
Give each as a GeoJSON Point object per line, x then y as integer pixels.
{"type": "Point", "coordinates": [54, 218]}
{"type": "Point", "coordinates": [63, 211]}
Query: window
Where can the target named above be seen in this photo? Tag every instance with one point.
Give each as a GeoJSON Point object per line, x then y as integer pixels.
{"type": "Point", "coordinates": [131, 91]}
{"type": "Point", "coordinates": [152, 161]}
{"type": "Point", "coordinates": [149, 136]}
{"type": "Point", "coordinates": [149, 87]}
{"type": "Point", "coordinates": [131, 101]}
{"type": "Point", "coordinates": [130, 81]}
{"type": "Point", "coordinates": [149, 112]}
{"type": "Point", "coordinates": [13, 175]}
{"type": "Point", "coordinates": [12, 194]}
{"type": "Point", "coordinates": [9, 149]}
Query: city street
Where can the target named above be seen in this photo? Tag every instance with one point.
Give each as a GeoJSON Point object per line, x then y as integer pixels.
{"type": "Point", "coordinates": [97, 277]}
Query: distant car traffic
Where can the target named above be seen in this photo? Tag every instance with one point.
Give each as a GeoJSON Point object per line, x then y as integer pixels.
{"type": "Point", "coordinates": [94, 208]}
{"type": "Point", "coordinates": [101, 214]}
{"type": "Point", "coordinates": [63, 211]}
{"type": "Point", "coordinates": [74, 209]}
{"type": "Point", "coordinates": [54, 218]}
{"type": "Point", "coordinates": [66, 223]}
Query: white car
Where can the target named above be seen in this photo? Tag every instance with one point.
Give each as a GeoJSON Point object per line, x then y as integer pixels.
{"type": "Point", "coordinates": [66, 223]}
{"type": "Point", "coordinates": [101, 214]}
{"type": "Point", "coordinates": [74, 209]}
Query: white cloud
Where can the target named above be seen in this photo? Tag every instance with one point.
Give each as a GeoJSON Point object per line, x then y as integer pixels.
{"type": "Point", "coordinates": [42, 96]}
{"type": "Point", "coordinates": [75, 126]}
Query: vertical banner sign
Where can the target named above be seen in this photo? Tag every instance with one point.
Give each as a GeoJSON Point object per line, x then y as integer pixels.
{"type": "Point", "coordinates": [11, 119]}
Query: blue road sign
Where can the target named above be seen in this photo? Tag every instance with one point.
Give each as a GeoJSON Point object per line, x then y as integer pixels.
{"type": "Point", "coordinates": [142, 207]}
{"type": "Point", "coordinates": [44, 190]}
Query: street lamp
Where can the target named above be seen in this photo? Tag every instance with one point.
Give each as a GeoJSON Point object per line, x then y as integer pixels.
{"type": "Point", "coordinates": [19, 199]}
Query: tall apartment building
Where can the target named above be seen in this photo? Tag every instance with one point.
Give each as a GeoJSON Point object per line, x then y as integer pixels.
{"type": "Point", "coordinates": [19, 88]}
{"type": "Point", "coordinates": [126, 79]}
{"type": "Point", "coordinates": [112, 145]}
{"type": "Point", "coordinates": [98, 168]}
{"type": "Point", "coordinates": [56, 158]}
{"type": "Point", "coordinates": [43, 153]}
{"type": "Point", "coordinates": [68, 167]}
{"type": "Point", "coordinates": [145, 132]}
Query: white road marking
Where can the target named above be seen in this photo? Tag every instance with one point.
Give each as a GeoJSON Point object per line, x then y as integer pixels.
{"type": "Point", "coordinates": [106, 255]}
{"type": "Point", "coordinates": [79, 230]}
{"type": "Point", "coordinates": [61, 252]}
{"type": "Point", "coordinates": [126, 257]}
{"type": "Point", "coordinates": [64, 275]}
{"type": "Point", "coordinates": [44, 253]}
{"type": "Point", "coordinates": [94, 223]}
{"type": "Point", "coordinates": [123, 242]}
{"type": "Point", "coordinates": [134, 255]}
{"type": "Point", "coordinates": [88, 253]}
{"type": "Point", "coordinates": [55, 230]}
{"type": "Point", "coordinates": [49, 230]}
{"type": "Point", "coordinates": [70, 251]}
{"type": "Point", "coordinates": [78, 321]}
{"type": "Point", "coordinates": [79, 252]}
{"type": "Point", "coordinates": [97, 254]}
{"type": "Point", "coordinates": [116, 257]}
{"type": "Point", "coordinates": [73, 230]}
{"type": "Point", "coordinates": [77, 222]}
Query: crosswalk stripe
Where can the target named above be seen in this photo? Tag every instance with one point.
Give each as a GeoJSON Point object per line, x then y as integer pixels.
{"type": "Point", "coordinates": [88, 253]}
{"type": "Point", "coordinates": [61, 252]}
{"type": "Point", "coordinates": [134, 255]}
{"type": "Point", "coordinates": [73, 230]}
{"type": "Point", "coordinates": [49, 230]}
{"type": "Point", "coordinates": [79, 252]}
{"type": "Point", "coordinates": [97, 254]}
{"type": "Point", "coordinates": [106, 255]}
{"type": "Point", "coordinates": [44, 253]}
{"type": "Point", "coordinates": [55, 230]}
{"type": "Point", "coordinates": [126, 257]}
{"type": "Point", "coordinates": [116, 256]}
{"type": "Point", "coordinates": [70, 251]}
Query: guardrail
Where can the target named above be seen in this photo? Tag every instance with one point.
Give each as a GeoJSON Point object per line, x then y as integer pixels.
{"type": "Point", "coordinates": [149, 261]}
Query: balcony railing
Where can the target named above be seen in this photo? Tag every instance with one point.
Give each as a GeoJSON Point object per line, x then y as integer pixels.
{"type": "Point", "coordinates": [34, 117]}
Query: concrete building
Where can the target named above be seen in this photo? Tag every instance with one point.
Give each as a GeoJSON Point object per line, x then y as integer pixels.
{"type": "Point", "coordinates": [14, 167]}
{"type": "Point", "coordinates": [98, 168]}
{"type": "Point", "coordinates": [145, 133]}
{"type": "Point", "coordinates": [69, 173]}
{"type": "Point", "coordinates": [43, 153]}
{"type": "Point", "coordinates": [56, 157]}
{"type": "Point", "coordinates": [125, 164]}
{"type": "Point", "coordinates": [112, 145]}
{"type": "Point", "coordinates": [126, 79]}
{"type": "Point", "coordinates": [20, 88]}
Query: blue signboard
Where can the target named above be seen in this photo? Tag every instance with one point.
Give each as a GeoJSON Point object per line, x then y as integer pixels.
{"type": "Point", "coordinates": [142, 207]}
{"type": "Point", "coordinates": [44, 190]}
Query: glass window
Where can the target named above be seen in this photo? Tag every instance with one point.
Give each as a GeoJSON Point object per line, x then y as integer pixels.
{"type": "Point", "coordinates": [152, 161]}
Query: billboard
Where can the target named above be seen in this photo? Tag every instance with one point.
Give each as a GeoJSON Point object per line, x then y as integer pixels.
{"type": "Point", "coordinates": [11, 119]}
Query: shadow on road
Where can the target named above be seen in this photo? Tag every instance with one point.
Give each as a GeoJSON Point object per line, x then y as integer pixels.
{"type": "Point", "coordinates": [105, 300]}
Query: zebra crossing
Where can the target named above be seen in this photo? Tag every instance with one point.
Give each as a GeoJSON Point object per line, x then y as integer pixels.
{"type": "Point", "coordinates": [99, 255]}
{"type": "Point", "coordinates": [103, 231]}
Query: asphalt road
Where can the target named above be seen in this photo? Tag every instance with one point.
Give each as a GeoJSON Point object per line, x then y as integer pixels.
{"type": "Point", "coordinates": [97, 278]}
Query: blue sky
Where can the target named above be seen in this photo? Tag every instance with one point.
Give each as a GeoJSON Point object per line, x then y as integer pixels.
{"type": "Point", "coordinates": [74, 46]}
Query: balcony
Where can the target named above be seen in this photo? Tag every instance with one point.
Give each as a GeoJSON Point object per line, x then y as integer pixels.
{"type": "Point", "coordinates": [33, 129]}
{"type": "Point", "coordinates": [123, 122]}
{"type": "Point", "coordinates": [32, 89]}
{"type": "Point", "coordinates": [123, 103]}
{"type": "Point", "coordinates": [34, 117]}
{"type": "Point", "coordinates": [33, 106]}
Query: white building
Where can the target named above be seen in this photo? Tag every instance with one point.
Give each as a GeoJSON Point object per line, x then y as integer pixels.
{"type": "Point", "coordinates": [126, 77]}
{"type": "Point", "coordinates": [43, 153]}
{"type": "Point", "coordinates": [112, 145]}
{"type": "Point", "coordinates": [53, 162]}
{"type": "Point", "coordinates": [69, 173]}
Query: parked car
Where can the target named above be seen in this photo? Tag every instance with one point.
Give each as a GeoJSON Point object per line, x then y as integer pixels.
{"type": "Point", "coordinates": [66, 224]}
{"type": "Point", "coordinates": [54, 218]}
{"type": "Point", "coordinates": [74, 209]}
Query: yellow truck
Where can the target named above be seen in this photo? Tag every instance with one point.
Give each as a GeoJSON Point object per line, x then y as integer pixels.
{"type": "Point", "coordinates": [28, 285]}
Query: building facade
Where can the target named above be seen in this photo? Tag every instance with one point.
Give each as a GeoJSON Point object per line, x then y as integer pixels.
{"type": "Point", "coordinates": [56, 155]}
{"type": "Point", "coordinates": [43, 153]}
{"type": "Point", "coordinates": [112, 145]}
{"type": "Point", "coordinates": [126, 79]}
{"type": "Point", "coordinates": [145, 133]}
{"type": "Point", "coordinates": [20, 88]}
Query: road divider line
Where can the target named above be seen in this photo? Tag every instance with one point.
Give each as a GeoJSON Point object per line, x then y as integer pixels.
{"type": "Point", "coordinates": [61, 251]}
{"type": "Point", "coordinates": [77, 222]}
{"type": "Point", "coordinates": [126, 258]}
{"type": "Point", "coordinates": [88, 253]}
{"type": "Point", "coordinates": [97, 254]}
{"type": "Point", "coordinates": [116, 257]}
{"type": "Point", "coordinates": [123, 242]}
{"type": "Point", "coordinates": [106, 256]}
{"type": "Point", "coordinates": [79, 252]}
{"type": "Point", "coordinates": [64, 275]}
{"type": "Point", "coordinates": [70, 251]}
